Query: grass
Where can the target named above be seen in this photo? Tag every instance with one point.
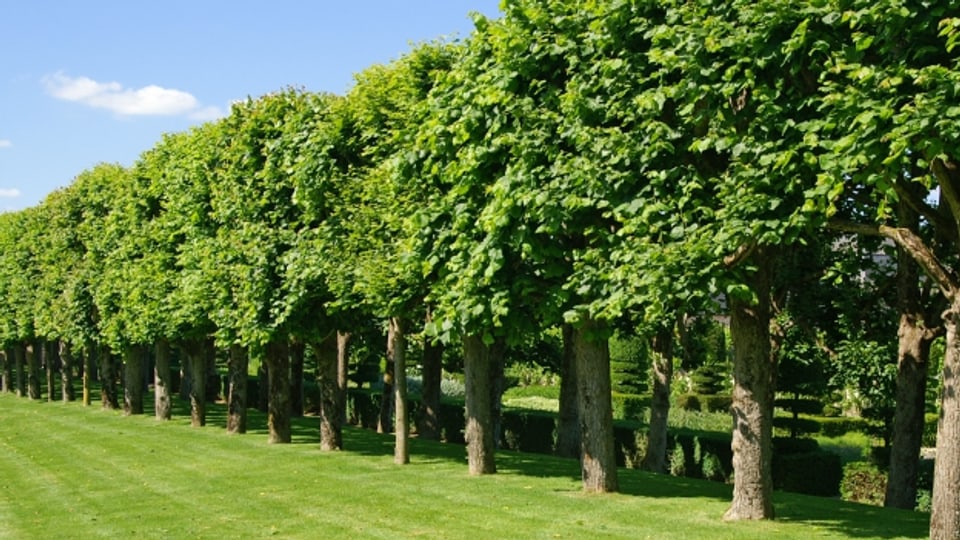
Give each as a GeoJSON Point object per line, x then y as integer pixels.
{"type": "Point", "coordinates": [72, 472]}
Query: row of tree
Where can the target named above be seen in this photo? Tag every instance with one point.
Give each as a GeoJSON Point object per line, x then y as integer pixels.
{"type": "Point", "coordinates": [591, 166]}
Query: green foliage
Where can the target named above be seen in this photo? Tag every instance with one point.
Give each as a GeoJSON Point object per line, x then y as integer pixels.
{"type": "Point", "coordinates": [869, 367]}
{"type": "Point", "coordinates": [813, 473]}
{"type": "Point", "coordinates": [630, 406]}
{"type": "Point", "coordinates": [710, 379]}
{"type": "Point", "coordinates": [863, 483]}
{"type": "Point", "coordinates": [629, 364]}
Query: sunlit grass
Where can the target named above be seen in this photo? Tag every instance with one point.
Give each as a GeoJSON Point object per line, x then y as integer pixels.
{"type": "Point", "coordinates": [74, 472]}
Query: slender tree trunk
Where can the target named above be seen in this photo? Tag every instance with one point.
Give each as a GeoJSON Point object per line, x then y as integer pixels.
{"type": "Point", "coordinates": [661, 347]}
{"type": "Point", "coordinates": [108, 379]}
{"type": "Point", "coordinates": [568, 430]}
{"type": "Point", "coordinates": [133, 379]}
{"type": "Point", "coordinates": [33, 370]}
{"type": "Point", "coordinates": [66, 371]}
{"type": "Point", "coordinates": [196, 362]}
{"type": "Point", "coordinates": [478, 364]}
{"type": "Point", "coordinates": [277, 356]}
{"type": "Point", "coordinates": [428, 421]}
{"type": "Point", "coordinates": [754, 383]}
{"type": "Point", "coordinates": [385, 423]}
{"type": "Point", "coordinates": [945, 512]}
{"type": "Point", "coordinates": [328, 378]}
{"type": "Point", "coordinates": [598, 464]}
{"type": "Point", "coordinates": [89, 365]}
{"type": "Point", "coordinates": [20, 360]}
{"type": "Point", "coordinates": [237, 389]}
{"type": "Point", "coordinates": [162, 404]}
{"type": "Point", "coordinates": [51, 358]}
{"type": "Point", "coordinates": [343, 368]}
{"type": "Point", "coordinates": [297, 352]}
{"type": "Point", "coordinates": [397, 351]}
{"type": "Point", "coordinates": [8, 361]}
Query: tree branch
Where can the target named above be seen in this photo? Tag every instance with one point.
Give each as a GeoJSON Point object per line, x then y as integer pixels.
{"type": "Point", "coordinates": [937, 217]}
{"type": "Point", "coordinates": [912, 244]}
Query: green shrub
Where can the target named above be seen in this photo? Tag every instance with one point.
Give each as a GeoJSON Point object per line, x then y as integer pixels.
{"type": "Point", "coordinates": [716, 403]}
{"type": "Point", "coordinates": [549, 392]}
{"type": "Point", "coordinates": [800, 426]}
{"type": "Point", "coordinates": [788, 445]}
{"type": "Point", "coordinates": [812, 473]}
{"type": "Point", "coordinates": [708, 379]}
{"type": "Point", "coordinates": [864, 483]}
{"type": "Point", "coordinates": [930, 429]}
{"type": "Point", "coordinates": [629, 364]}
{"type": "Point", "coordinates": [629, 406]}
{"type": "Point", "coordinates": [839, 426]}
{"type": "Point", "coordinates": [528, 431]}
{"type": "Point", "coordinates": [688, 402]}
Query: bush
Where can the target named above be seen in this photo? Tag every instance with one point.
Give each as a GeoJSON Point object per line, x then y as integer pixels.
{"type": "Point", "coordinates": [548, 392]}
{"type": "Point", "coordinates": [930, 430]}
{"type": "Point", "coordinates": [629, 364]}
{"type": "Point", "coordinates": [813, 473]}
{"type": "Point", "coordinates": [689, 402]}
{"type": "Point", "coordinates": [787, 445]}
{"type": "Point", "coordinates": [840, 426]}
{"type": "Point", "coordinates": [629, 406]}
{"type": "Point", "coordinates": [528, 431]}
{"type": "Point", "coordinates": [801, 426]}
{"type": "Point", "coordinates": [715, 403]}
{"type": "Point", "coordinates": [708, 379]}
{"type": "Point", "coordinates": [864, 483]}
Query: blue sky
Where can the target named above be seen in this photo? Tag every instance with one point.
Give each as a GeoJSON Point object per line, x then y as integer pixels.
{"type": "Point", "coordinates": [84, 82]}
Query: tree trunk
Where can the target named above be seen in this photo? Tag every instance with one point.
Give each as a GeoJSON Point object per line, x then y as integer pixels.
{"type": "Point", "coordinates": [133, 379]}
{"type": "Point", "coordinates": [385, 422]}
{"type": "Point", "coordinates": [328, 378]}
{"type": "Point", "coordinates": [237, 389]}
{"type": "Point", "coordinates": [89, 365]}
{"type": "Point", "coordinates": [598, 465]}
{"type": "Point", "coordinates": [196, 362]}
{"type": "Point", "coordinates": [277, 357]}
{"type": "Point", "coordinates": [478, 365]}
{"type": "Point", "coordinates": [568, 429]}
{"type": "Point", "coordinates": [945, 511]}
{"type": "Point", "coordinates": [661, 348]}
{"type": "Point", "coordinates": [428, 421]}
{"type": "Point", "coordinates": [51, 360]}
{"type": "Point", "coordinates": [8, 360]}
{"type": "Point", "coordinates": [397, 351]}
{"type": "Point", "coordinates": [33, 370]}
{"type": "Point", "coordinates": [343, 368]}
{"type": "Point", "coordinates": [263, 382]}
{"type": "Point", "coordinates": [297, 352]}
{"type": "Point", "coordinates": [162, 404]}
{"type": "Point", "coordinates": [754, 383]}
{"type": "Point", "coordinates": [108, 379]}
{"type": "Point", "coordinates": [20, 359]}
{"type": "Point", "coordinates": [66, 371]}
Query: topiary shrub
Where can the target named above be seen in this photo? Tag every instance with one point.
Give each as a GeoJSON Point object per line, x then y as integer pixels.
{"type": "Point", "coordinates": [812, 473]}
{"type": "Point", "coordinates": [629, 406]}
{"type": "Point", "coordinates": [689, 402]}
{"type": "Point", "coordinates": [797, 426]}
{"type": "Point", "coordinates": [528, 431]}
{"type": "Point", "coordinates": [629, 364]}
{"type": "Point", "coordinates": [863, 483]}
{"type": "Point", "coordinates": [708, 379]}
{"type": "Point", "coordinates": [840, 426]}
{"type": "Point", "coordinates": [716, 403]}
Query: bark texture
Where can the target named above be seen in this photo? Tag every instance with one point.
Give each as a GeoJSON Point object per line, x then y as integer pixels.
{"type": "Point", "coordinates": [66, 371]}
{"type": "Point", "coordinates": [133, 361]}
{"type": "Point", "coordinates": [598, 465]}
{"type": "Point", "coordinates": [108, 378]}
{"type": "Point", "coordinates": [428, 421]}
{"type": "Point", "coordinates": [754, 383]}
{"type": "Point", "coordinates": [89, 365]}
{"type": "Point", "coordinates": [397, 351]}
{"type": "Point", "coordinates": [197, 366]}
{"type": "Point", "coordinates": [478, 360]}
{"type": "Point", "coordinates": [237, 390]}
{"type": "Point", "coordinates": [162, 404]}
{"type": "Point", "coordinates": [945, 511]}
{"type": "Point", "coordinates": [331, 415]}
{"type": "Point", "coordinates": [661, 348]}
{"type": "Point", "coordinates": [343, 369]}
{"type": "Point", "coordinates": [568, 428]}
{"type": "Point", "coordinates": [277, 356]}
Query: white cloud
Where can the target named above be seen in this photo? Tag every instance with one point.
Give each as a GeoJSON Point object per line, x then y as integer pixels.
{"type": "Point", "coordinates": [9, 193]}
{"type": "Point", "coordinates": [5, 143]}
{"type": "Point", "coordinates": [207, 113]}
{"type": "Point", "coordinates": [113, 96]}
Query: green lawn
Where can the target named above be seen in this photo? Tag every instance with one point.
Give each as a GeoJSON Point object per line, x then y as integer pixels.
{"type": "Point", "coordinates": [72, 472]}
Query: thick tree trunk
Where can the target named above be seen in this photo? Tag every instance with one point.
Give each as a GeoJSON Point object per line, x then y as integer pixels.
{"type": "Point", "coordinates": [133, 379]}
{"type": "Point", "coordinates": [396, 350]}
{"type": "Point", "coordinates": [331, 415]}
{"type": "Point", "coordinates": [568, 429]}
{"type": "Point", "coordinates": [385, 422]}
{"type": "Point", "coordinates": [66, 371]}
{"type": "Point", "coordinates": [754, 383]}
{"type": "Point", "coordinates": [598, 464]}
{"type": "Point", "coordinates": [51, 360]}
{"type": "Point", "coordinates": [343, 368]}
{"type": "Point", "coordinates": [20, 360]}
{"type": "Point", "coordinates": [33, 370]}
{"type": "Point", "coordinates": [428, 420]}
{"type": "Point", "coordinates": [8, 370]}
{"type": "Point", "coordinates": [297, 351]}
{"type": "Point", "coordinates": [478, 364]}
{"type": "Point", "coordinates": [108, 379]}
{"type": "Point", "coordinates": [277, 357]}
{"type": "Point", "coordinates": [162, 404]}
{"type": "Point", "coordinates": [945, 511]}
{"type": "Point", "coordinates": [237, 389]}
{"type": "Point", "coordinates": [196, 362]}
{"type": "Point", "coordinates": [661, 348]}
{"type": "Point", "coordinates": [89, 366]}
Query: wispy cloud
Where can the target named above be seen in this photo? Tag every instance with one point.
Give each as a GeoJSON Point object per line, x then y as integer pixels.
{"type": "Point", "coordinates": [5, 143]}
{"type": "Point", "coordinates": [149, 100]}
{"type": "Point", "coordinates": [9, 193]}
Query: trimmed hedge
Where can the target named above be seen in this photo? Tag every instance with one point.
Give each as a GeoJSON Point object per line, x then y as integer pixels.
{"type": "Point", "coordinates": [863, 482]}
{"type": "Point", "coordinates": [704, 402]}
{"type": "Point", "coordinates": [629, 406]}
